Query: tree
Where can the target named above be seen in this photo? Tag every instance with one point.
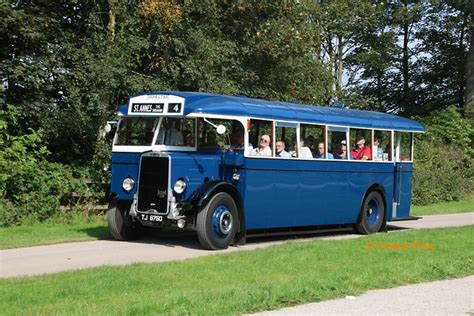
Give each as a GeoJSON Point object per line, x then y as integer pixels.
{"type": "Point", "coordinates": [469, 66]}
{"type": "Point", "coordinates": [342, 26]}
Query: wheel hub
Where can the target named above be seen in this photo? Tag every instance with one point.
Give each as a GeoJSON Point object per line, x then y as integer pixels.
{"type": "Point", "coordinates": [225, 222]}
{"type": "Point", "coordinates": [222, 221]}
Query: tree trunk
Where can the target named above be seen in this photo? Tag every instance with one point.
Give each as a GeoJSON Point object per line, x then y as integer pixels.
{"type": "Point", "coordinates": [462, 71]}
{"type": "Point", "coordinates": [469, 91]}
{"type": "Point", "coordinates": [339, 67]}
{"type": "Point", "coordinates": [111, 21]}
{"type": "Point", "coordinates": [332, 62]}
{"type": "Point", "coordinates": [405, 73]}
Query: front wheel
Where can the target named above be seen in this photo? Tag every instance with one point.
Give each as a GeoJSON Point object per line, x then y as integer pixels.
{"type": "Point", "coordinates": [121, 225]}
{"type": "Point", "coordinates": [372, 214]}
{"type": "Point", "coordinates": [217, 222]}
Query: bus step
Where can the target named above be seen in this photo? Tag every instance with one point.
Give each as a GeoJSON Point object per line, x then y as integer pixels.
{"type": "Point", "coordinates": [406, 218]}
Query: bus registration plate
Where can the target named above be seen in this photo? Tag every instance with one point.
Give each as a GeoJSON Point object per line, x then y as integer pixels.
{"type": "Point", "coordinates": [152, 218]}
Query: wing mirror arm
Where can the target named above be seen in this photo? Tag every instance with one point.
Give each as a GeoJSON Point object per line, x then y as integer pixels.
{"type": "Point", "coordinates": [219, 128]}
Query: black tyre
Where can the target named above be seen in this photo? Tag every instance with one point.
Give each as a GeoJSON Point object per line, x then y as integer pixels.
{"type": "Point", "coordinates": [121, 225]}
{"type": "Point", "coordinates": [372, 214]}
{"type": "Point", "coordinates": [217, 223]}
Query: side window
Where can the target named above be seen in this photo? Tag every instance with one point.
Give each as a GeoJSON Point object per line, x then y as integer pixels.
{"type": "Point", "coordinates": [403, 142]}
{"type": "Point", "coordinates": [361, 144]}
{"type": "Point", "coordinates": [261, 138]}
{"type": "Point", "coordinates": [285, 141]}
{"type": "Point", "coordinates": [337, 143]}
{"type": "Point", "coordinates": [208, 138]}
{"type": "Point", "coordinates": [382, 146]}
{"type": "Point", "coordinates": [310, 138]}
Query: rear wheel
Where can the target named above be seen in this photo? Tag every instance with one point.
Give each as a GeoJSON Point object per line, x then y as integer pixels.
{"type": "Point", "coordinates": [372, 214]}
{"type": "Point", "coordinates": [217, 222]}
{"type": "Point", "coordinates": [121, 225]}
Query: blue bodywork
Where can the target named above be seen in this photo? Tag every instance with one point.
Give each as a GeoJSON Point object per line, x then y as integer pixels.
{"type": "Point", "coordinates": [284, 192]}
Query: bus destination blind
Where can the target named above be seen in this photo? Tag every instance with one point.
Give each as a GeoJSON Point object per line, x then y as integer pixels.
{"type": "Point", "coordinates": [148, 107]}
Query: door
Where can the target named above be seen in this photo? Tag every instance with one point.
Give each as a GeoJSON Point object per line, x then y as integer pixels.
{"type": "Point", "coordinates": [403, 174]}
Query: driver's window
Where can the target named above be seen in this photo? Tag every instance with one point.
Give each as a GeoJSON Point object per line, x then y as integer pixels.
{"type": "Point", "coordinates": [209, 138]}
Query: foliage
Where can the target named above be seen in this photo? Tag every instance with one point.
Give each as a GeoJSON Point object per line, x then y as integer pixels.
{"type": "Point", "coordinates": [441, 173]}
{"type": "Point", "coordinates": [30, 186]}
{"type": "Point", "coordinates": [415, 62]}
{"type": "Point", "coordinates": [448, 126]}
{"type": "Point", "coordinates": [444, 167]}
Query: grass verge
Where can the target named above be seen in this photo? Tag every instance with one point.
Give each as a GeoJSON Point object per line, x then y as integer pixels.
{"type": "Point", "coordinates": [247, 281]}
{"type": "Point", "coordinates": [466, 205]}
{"type": "Point", "coordinates": [54, 232]}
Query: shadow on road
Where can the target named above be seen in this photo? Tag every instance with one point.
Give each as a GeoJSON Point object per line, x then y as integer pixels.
{"type": "Point", "coordinates": [100, 232]}
{"type": "Point", "coordinates": [189, 239]}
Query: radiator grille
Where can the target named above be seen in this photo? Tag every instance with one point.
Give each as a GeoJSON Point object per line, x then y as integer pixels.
{"type": "Point", "coordinates": [153, 185]}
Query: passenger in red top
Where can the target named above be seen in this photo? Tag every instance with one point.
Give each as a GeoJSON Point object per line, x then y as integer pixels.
{"type": "Point", "coordinates": [363, 152]}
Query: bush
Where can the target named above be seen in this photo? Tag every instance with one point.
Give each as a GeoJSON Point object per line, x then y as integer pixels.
{"type": "Point", "coordinates": [447, 126]}
{"type": "Point", "coordinates": [30, 186]}
{"type": "Point", "coordinates": [443, 170]}
{"type": "Point", "coordinates": [441, 173]}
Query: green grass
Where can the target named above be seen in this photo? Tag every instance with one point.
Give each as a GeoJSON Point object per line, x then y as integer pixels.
{"type": "Point", "coordinates": [466, 205]}
{"type": "Point", "coordinates": [54, 232]}
{"type": "Point", "coordinates": [245, 281]}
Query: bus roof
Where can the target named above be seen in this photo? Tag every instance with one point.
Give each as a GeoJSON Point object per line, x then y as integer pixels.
{"type": "Point", "coordinates": [207, 103]}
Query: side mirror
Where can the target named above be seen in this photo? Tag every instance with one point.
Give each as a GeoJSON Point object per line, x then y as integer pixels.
{"type": "Point", "coordinates": [107, 128]}
{"type": "Point", "coordinates": [220, 129]}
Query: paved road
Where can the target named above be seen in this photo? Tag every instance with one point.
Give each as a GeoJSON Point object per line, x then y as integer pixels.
{"type": "Point", "coordinates": [63, 257]}
{"type": "Point", "coordinates": [447, 297]}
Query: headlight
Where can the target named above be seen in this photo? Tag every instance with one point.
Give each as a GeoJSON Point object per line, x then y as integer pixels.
{"type": "Point", "coordinates": [179, 186]}
{"type": "Point", "coordinates": [128, 184]}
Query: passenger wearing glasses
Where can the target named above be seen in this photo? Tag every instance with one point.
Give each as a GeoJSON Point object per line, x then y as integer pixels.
{"type": "Point", "coordinates": [343, 154]}
{"type": "Point", "coordinates": [362, 152]}
{"type": "Point", "coordinates": [263, 147]}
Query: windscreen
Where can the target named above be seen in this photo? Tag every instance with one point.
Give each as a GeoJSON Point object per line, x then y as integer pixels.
{"type": "Point", "coordinates": [176, 132]}
{"type": "Point", "coordinates": [136, 131]}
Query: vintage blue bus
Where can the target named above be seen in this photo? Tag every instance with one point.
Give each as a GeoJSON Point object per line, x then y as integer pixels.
{"type": "Point", "coordinates": [228, 166]}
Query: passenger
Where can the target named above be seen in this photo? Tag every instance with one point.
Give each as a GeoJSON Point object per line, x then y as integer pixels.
{"type": "Point", "coordinates": [188, 138]}
{"type": "Point", "coordinates": [168, 134]}
{"type": "Point", "coordinates": [238, 142]}
{"type": "Point", "coordinates": [378, 150]}
{"type": "Point", "coordinates": [305, 152]}
{"type": "Point", "coordinates": [309, 142]}
{"type": "Point", "coordinates": [362, 152]}
{"type": "Point", "coordinates": [280, 150]}
{"type": "Point", "coordinates": [322, 153]}
{"type": "Point", "coordinates": [343, 154]}
{"type": "Point", "coordinates": [263, 148]}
